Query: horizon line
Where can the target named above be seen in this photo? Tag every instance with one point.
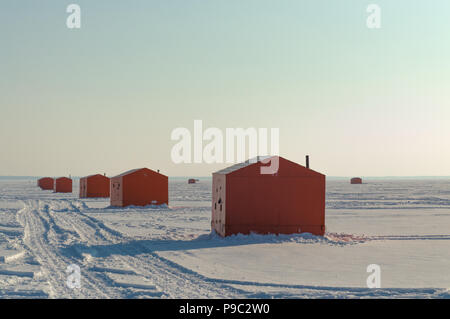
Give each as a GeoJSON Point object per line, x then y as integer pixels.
{"type": "Point", "coordinates": [209, 176]}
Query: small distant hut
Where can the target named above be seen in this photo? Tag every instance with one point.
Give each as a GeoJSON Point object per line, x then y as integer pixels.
{"type": "Point", "coordinates": [192, 181]}
{"type": "Point", "coordinates": [62, 185]}
{"type": "Point", "coordinates": [46, 183]}
{"type": "Point", "coordinates": [356, 180]}
{"type": "Point", "coordinates": [93, 186]}
{"type": "Point", "coordinates": [139, 187]}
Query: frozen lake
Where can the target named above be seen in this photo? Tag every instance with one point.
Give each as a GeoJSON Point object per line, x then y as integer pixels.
{"type": "Point", "coordinates": [401, 225]}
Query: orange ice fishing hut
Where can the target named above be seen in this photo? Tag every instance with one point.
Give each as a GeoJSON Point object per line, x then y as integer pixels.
{"type": "Point", "coordinates": [139, 187]}
{"type": "Point", "coordinates": [289, 200]}
{"type": "Point", "coordinates": [62, 185]}
{"type": "Point", "coordinates": [356, 180]}
{"type": "Point", "coordinates": [46, 183]}
{"type": "Point", "coordinates": [93, 186]}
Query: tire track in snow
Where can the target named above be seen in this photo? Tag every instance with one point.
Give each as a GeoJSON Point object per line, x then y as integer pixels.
{"type": "Point", "coordinates": [95, 233]}
{"type": "Point", "coordinates": [172, 279]}
{"type": "Point", "coordinates": [179, 282]}
{"type": "Point", "coordinates": [175, 280]}
{"type": "Point", "coordinates": [46, 223]}
{"type": "Point", "coordinates": [39, 240]}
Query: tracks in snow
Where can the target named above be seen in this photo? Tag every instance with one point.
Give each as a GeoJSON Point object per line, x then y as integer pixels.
{"type": "Point", "coordinates": [41, 240]}
{"type": "Point", "coordinates": [60, 233]}
{"type": "Point", "coordinates": [171, 279]}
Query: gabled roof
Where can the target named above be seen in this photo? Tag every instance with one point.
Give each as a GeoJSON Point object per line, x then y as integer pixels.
{"type": "Point", "coordinates": [132, 171]}
{"type": "Point", "coordinates": [101, 175]}
{"type": "Point", "coordinates": [63, 177]}
{"type": "Point", "coordinates": [286, 168]}
{"type": "Point", "coordinates": [238, 166]}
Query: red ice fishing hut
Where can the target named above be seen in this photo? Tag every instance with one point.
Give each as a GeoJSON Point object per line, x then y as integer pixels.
{"type": "Point", "coordinates": [46, 183]}
{"type": "Point", "coordinates": [289, 200]}
{"type": "Point", "coordinates": [356, 180]}
{"type": "Point", "coordinates": [62, 185]}
{"type": "Point", "coordinates": [94, 186]}
{"type": "Point", "coordinates": [139, 187]}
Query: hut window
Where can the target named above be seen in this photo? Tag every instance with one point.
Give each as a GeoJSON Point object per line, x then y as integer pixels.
{"type": "Point", "coordinates": [215, 205]}
{"type": "Point", "coordinates": [220, 207]}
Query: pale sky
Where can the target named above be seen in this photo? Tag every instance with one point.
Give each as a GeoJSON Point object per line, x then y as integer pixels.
{"type": "Point", "coordinates": [106, 97]}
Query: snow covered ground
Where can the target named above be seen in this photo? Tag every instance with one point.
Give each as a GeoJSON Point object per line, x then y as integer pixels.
{"type": "Point", "coordinates": [401, 225]}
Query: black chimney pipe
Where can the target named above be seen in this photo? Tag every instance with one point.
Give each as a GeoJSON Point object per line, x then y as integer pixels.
{"type": "Point", "coordinates": [307, 161]}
